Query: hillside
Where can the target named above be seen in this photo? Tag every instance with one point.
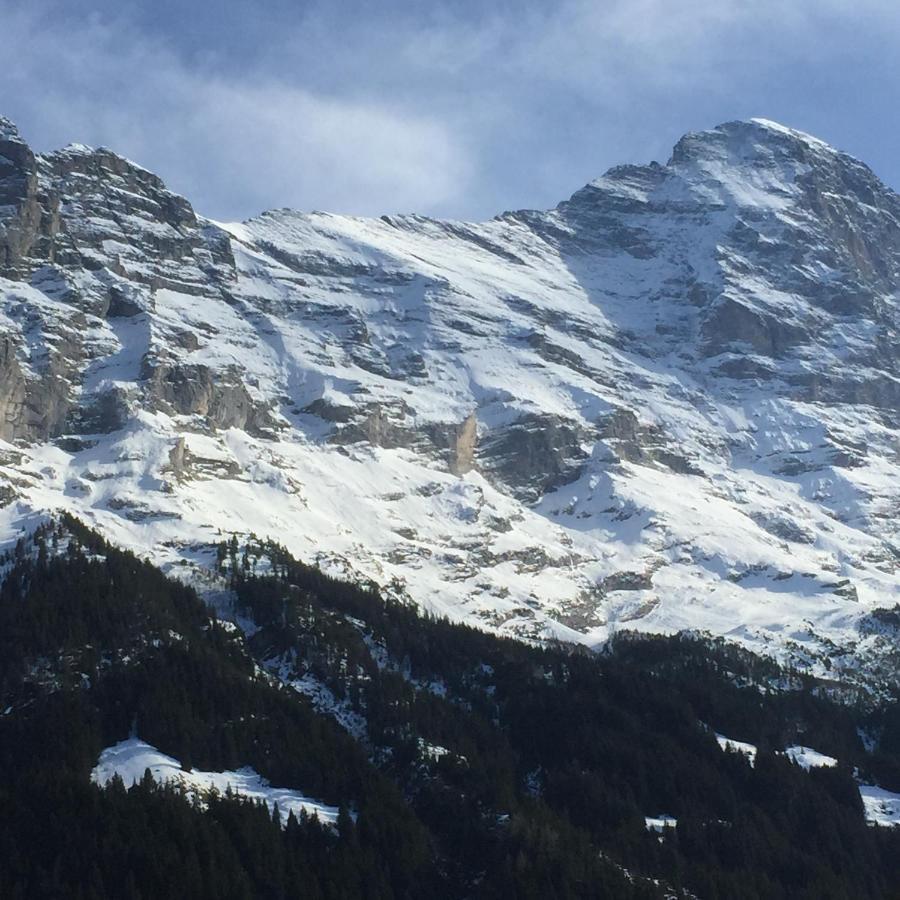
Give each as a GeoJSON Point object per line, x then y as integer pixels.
{"type": "Point", "coordinates": [668, 403]}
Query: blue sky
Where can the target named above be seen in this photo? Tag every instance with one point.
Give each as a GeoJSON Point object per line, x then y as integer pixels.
{"type": "Point", "coordinates": [454, 109]}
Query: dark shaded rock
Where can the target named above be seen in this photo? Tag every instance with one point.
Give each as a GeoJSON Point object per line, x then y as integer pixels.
{"type": "Point", "coordinates": [220, 397]}
{"type": "Point", "coordinates": [383, 425]}
{"type": "Point", "coordinates": [29, 214]}
{"type": "Point", "coordinates": [123, 304]}
{"type": "Point", "coordinates": [534, 454]}
{"type": "Point", "coordinates": [626, 581]}
{"type": "Point", "coordinates": [331, 412]}
{"type": "Point", "coordinates": [13, 391]}
{"type": "Point", "coordinates": [101, 413]}
{"type": "Point", "coordinates": [35, 407]}
{"type": "Point", "coordinates": [621, 431]}
{"type": "Point", "coordinates": [73, 444]}
{"type": "Point", "coordinates": [745, 368]}
{"type": "Point", "coordinates": [731, 322]}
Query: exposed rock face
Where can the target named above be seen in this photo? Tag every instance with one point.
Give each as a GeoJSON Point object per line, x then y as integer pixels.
{"type": "Point", "coordinates": [12, 392]}
{"type": "Point", "coordinates": [630, 441]}
{"type": "Point", "coordinates": [219, 398]}
{"type": "Point", "coordinates": [669, 402]}
{"type": "Point", "coordinates": [28, 215]}
{"type": "Point", "coordinates": [463, 445]}
{"type": "Point", "coordinates": [35, 387]}
{"type": "Point", "coordinates": [117, 216]}
{"type": "Point", "coordinates": [534, 455]}
{"type": "Point", "coordinates": [381, 425]}
{"type": "Point", "coordinates": [730, 324]}
{"type": "Point", "coordinates": [102, 235]}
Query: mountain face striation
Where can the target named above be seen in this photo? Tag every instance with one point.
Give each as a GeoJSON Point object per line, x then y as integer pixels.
{"type": "Point", "coordinates": [671, 402]}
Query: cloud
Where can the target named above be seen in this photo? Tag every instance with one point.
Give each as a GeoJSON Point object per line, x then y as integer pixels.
{"type": "Point", "coordinates": [233, 142]}
{"type": "Point", "coordinates": [451, 108]}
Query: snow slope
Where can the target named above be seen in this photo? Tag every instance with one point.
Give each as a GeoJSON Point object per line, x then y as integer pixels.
{"type": "Point", "coordinates": [668, 403]}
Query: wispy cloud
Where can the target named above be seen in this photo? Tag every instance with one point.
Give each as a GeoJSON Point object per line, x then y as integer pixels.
{"type": "Point", "coordinates": [455, 108]}
{"type": "Point", "coordinates": [233, 141]}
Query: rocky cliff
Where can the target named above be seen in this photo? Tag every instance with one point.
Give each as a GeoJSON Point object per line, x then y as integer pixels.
{"type": "Point", "coordinates": [670, 402]}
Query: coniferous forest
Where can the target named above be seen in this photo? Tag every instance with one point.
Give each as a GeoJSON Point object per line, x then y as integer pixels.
{"type": "Point", "coordinates": [464, 765]}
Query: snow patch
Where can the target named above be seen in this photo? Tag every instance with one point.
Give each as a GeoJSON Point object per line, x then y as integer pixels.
{"type": "Point", "coordinates": [807, 758]}
{"type": "Point", "coordinates": [730, 745]}
{"type": "Point", "coordinates": [660, 823]}
{"type": "Point", "coordinates": [129, 760]}
{"type": "Point", "coordinates": [880, 807]}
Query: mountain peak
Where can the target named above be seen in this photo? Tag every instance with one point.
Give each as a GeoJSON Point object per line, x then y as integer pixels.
{"type": "Point", "coordinates": [9, 131]}
{"type": "Point", "coordinates": [748, 141]}
{"type": "Point", "coordinates": [769, 125]}
{"type": "Point", "coordinates": [748, 162]}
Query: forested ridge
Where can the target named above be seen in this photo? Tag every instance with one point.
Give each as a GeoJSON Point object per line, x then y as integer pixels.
{"type": "Point", "coordinates": [470, 765]}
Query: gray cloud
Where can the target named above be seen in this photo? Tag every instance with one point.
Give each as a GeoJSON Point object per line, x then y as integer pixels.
{"type": "Point", "coordinates": [234, 142]}
{"type": "Point", "coordinates": [447, 108]}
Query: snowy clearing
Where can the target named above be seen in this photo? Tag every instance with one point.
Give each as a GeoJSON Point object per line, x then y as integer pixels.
{"type": "Point", "coordinates": [881, 807]}
{"type": "Point", "coordinates": [808, 758]}
{"type": "Point", "coordinates": [748, 750]}
{"type": "Point", "coordinates": [131, 758]}
{"type": "Point", "coordinates": [660, 823]}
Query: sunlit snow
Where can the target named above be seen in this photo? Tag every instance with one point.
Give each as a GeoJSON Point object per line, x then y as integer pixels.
{"type": "Point", "coordinates": [747, 750]}
{"type": "Point", "coordinates": [748, 528]}
{"type": "Point", "coordinates": [131, 758]}
{"type": "Point", "coordinates": [660, 823]}
{"type": "Point", "coordinates": [881, 807]}
{"type": "Point", "coordinates": [807, 758]}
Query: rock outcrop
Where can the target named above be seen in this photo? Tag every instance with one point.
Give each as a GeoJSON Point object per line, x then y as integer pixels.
{"type": "Point", "coordinates": [102, 235]}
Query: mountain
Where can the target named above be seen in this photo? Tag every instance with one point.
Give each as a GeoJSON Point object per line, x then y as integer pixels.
{"type": "Point", "coordinates": [338, 745]}
{"type": "Point", "coordinates": [667, 405]}
{"type": "Point", "coordinates": [670, 403]}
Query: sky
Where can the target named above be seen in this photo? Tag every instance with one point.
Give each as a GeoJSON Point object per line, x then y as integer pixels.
{"type": "Point", "coordinates": [458, 110]}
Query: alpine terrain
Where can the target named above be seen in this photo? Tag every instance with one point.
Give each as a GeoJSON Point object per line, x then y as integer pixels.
{"type": "Point", "coordinates": [275, 495]}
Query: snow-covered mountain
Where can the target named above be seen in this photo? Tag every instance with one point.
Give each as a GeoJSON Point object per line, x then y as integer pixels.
{"type": "Point", "coordinates": [669, 403]}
